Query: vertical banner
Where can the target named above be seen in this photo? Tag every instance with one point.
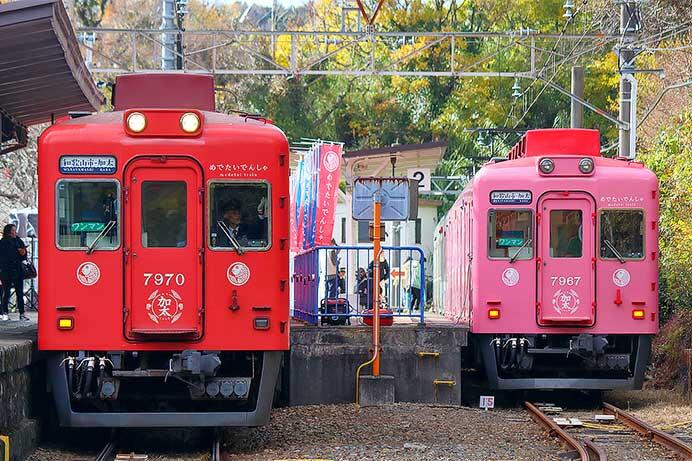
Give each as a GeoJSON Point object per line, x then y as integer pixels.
{"type": "Point", "coordinates": [313, 196]}
{"type": "Point", "coordinates": [297, 208]}
{"type": "Point", "coordinates": [330, 165]}
{"type": "Point", "coordinates": [307, 181]}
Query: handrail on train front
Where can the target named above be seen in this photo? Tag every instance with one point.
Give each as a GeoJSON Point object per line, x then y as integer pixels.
{"type": "Point", "coordinates": [313, 281]}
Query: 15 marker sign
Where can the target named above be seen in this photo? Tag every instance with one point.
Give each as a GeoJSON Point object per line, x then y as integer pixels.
{"type": "Point", "coordinates": [487, 401]}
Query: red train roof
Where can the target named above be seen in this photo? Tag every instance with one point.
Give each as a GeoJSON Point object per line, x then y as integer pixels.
{"type": "Point", "coordinates": [164, 91]}
{"type": "Point", "coordinates": [560, 141]}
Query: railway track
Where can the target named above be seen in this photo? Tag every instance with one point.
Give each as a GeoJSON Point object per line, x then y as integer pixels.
{"type": "Point", "coordinates": [110, 451]}
{"type": "Point", "coordinates": [594, 442]}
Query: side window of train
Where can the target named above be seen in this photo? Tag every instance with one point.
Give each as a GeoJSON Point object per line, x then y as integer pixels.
{"type": "Point", "coordinates": [510, 234]}
{"type": "Point", "coordinates": [87, 211]}
{"type": "Point", "coordinates": [566, 233]}
{"type": "Point", "coordinates": [622, 232]}
{"type": "Point", "coordinates": [239, 215]}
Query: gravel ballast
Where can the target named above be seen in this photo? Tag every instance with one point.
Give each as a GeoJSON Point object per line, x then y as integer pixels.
{"type": "Point", "coordinates": [394, 432]}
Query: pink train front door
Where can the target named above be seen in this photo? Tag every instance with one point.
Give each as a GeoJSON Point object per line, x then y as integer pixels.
{"type": "Point", "coordinates": [566, 284]}
{"type": "Point", "coordinates": [163, 265]}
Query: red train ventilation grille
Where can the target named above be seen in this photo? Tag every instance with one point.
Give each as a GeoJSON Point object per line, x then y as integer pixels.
{"type": "Point", "coordinates": [164, 91]}
{"type": "Point", "coordinates": [561, 141]}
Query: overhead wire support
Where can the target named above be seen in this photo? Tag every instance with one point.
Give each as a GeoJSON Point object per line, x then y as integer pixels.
{"type": "Point", "coordinates": [247, 52]}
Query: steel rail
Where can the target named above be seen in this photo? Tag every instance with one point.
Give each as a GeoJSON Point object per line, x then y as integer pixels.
{"type": "Point", "coordinates": [662, 438]}
{"type": "Point", "coordinates": [556, 431]}
{"type": "Point", "coordinates": [216, 447]}
{"type": "Point", "coordinates": [595, 451]}
{"type": "Point", "coordinates": [108, 452]}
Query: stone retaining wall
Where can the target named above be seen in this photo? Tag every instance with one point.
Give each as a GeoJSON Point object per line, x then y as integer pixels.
{"type": "Point", "coordinates": [22, 385]}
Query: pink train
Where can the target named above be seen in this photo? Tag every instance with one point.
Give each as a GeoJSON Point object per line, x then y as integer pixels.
{"type": "Point", "coordinates": [551, 258]}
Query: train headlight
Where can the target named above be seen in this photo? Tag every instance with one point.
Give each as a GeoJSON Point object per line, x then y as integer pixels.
{"type": "Point", "coordinates": [136, 122]}
{"type": "Point", "coordinates": [586, 165]}
{"type": "Point", "coordinates": [189, 122]}
{"type": "Point", "coordinates": [546, 165]}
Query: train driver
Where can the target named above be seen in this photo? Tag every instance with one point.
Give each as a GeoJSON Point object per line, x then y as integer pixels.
{"type": "Point", "coordinates": [243, 231]}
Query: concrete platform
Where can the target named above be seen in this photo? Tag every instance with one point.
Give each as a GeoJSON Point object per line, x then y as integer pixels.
{"type": "Point", "coordinates": [21, 384]}
{"type": "Point", "coordinates": [425, 361]}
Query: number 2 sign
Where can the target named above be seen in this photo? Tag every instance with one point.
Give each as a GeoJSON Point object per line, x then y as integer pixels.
{"type": "Point", "coordinates": [422, 175]}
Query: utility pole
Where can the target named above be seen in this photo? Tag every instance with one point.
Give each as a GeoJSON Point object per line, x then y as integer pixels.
{"type": "Point", "coordinates": [577, 109]}
{"type": "Point", "coordinates": [168, 61]}
{"type": "Point", "coordinates": [180, 12]}
{"type": "Point", "coordinates": [629, 26]}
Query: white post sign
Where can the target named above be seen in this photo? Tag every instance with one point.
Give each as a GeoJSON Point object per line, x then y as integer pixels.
{"type": "Point", "coordinates": [423, 177]}
{"type": "Point", "coordinates": [487, 401]}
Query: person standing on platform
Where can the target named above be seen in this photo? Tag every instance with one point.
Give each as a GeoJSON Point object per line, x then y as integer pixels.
{"type": "Point", "coordinates": [332, 279]}
{"type": "Point", "coordinates": [12, 253]}
{"type": "Point", "coordinates": [412, 267]}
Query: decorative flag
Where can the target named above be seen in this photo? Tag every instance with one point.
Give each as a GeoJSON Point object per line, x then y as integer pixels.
{"type": "Point", "coordinates": [330, 164]}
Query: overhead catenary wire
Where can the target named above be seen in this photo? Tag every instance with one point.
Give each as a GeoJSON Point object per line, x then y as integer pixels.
{"type": "Point", "coordinates": [660, 96]}
{"type": "Point", "coordinates": [640, 42]}
{"type": "Point", "coordinates": [548, 81]}
{"type": "Point", "coordinates": [545, 65]}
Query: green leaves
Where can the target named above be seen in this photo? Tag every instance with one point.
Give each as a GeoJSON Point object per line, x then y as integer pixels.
{"type": "Point", "coordinates": [670, 157]}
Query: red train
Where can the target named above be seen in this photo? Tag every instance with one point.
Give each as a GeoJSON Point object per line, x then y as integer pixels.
{"type": "Point", "coordinates": [164, 259]}
{"type": "Point", "coordinates": [551, 257]}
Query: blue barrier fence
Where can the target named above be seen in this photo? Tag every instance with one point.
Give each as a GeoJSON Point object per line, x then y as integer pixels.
{"type": "Point", "coordinates": [334, 284]}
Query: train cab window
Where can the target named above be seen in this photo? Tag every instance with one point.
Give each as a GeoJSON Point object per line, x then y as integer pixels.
{"type": "Point", "coordinates": [510, 234]}
{"type": "Point", "coordinates": [88, 214]}
{"type": "Point", "coordinates": [239, 214]}
{"type": "Point", "coordinates": [565, 233]}
{"type": "Point", "coordinates": [164, 214]}
{"type": "Point", "coordinates": [622, 234]}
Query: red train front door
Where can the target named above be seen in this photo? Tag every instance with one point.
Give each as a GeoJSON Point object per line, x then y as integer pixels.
{"type": "Point", "coordinates": [566, 284]}
{"type": "Point", "coordinates": [163, 241]}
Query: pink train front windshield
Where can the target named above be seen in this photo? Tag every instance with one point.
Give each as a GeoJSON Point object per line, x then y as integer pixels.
{"type": "Point", "coordinates": [568, 250]}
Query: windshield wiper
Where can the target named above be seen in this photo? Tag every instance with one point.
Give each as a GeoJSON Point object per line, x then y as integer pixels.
{"type": "Point", "coordinates": [514, 258]}
{"type": "Point", "coordinates": [615, 252]}
{"type": "Point", "coordinates": [229, 234]}
{"type": "Point", "coordinates": [104, 232]}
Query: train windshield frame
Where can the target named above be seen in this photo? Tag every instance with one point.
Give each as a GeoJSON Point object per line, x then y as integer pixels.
{"type": "Point", "coordinates": [510, 234]}
{"type": "Point", "coordinates": [622, 235]}
{"type": "Point", "coordinates": [250, 200]}
{"type": "Point", "coordinates": [90, 198]}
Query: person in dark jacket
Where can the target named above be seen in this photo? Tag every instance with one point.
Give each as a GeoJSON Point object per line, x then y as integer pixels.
{"type": "Point", "coordinates": [362, 288]}
{"type": "Point", "coordinates": [12, 253]}
{"type": "Point", "coordinates": [384, 277]}
{"type": "Point", "coordinates": [241, 231]}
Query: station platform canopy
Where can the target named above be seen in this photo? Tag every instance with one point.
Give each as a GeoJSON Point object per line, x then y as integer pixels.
{"type": "Point", "coordinates": [378, 162]}
{"type": "Point", "coordinates": [42, 73]}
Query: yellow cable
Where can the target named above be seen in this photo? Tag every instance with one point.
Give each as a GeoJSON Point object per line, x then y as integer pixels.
{"type": "Point", "coordinates": [374, 356]}
{"type": "Point", "coordinates": [604, 427]}
{"type": "Point", "coordinates": [674, 425]}
{"type": "Point", "coordinates": [5, 439]}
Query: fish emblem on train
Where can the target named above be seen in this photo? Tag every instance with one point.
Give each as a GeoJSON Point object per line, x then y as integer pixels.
{"type": "Point", "coordinates": [566, 302]}
{"type": "Point", "coordinates": [164, 306]}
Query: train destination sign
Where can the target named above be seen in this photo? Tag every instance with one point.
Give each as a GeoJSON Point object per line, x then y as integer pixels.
{"type": "Point", "coordinates": [510, 197]}
{"type": "Point", "coordinates": [88, 164]}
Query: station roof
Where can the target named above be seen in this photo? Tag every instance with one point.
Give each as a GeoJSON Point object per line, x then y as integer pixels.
{"type": "Point", "coordinates": [42, 72]}
{"type": "Point", "coordinates": [377, 162]}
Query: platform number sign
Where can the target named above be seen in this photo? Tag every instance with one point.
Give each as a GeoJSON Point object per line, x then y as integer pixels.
{"type": "Point", "coordinates": [422, 175]}
{"type": "Point", "coordinates": [487, 401]}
